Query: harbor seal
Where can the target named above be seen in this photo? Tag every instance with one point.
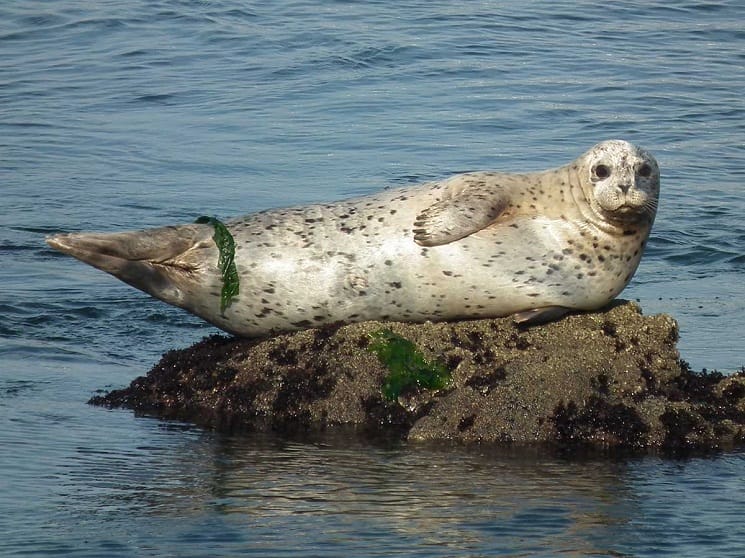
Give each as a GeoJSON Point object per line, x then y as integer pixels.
{"type": "Point", "coordinates": [476, 245]}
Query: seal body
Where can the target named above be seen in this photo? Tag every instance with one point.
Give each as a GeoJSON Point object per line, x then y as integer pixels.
{"type": "Point", "coordinates": [481, 244]}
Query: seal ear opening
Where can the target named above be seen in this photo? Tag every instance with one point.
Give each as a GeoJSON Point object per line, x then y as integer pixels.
{"type": "Point", "coordinates": [148, 260]}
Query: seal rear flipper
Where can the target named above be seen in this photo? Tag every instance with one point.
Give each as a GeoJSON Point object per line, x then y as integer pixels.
{"type": "Point", "coordinates": [155, 261]}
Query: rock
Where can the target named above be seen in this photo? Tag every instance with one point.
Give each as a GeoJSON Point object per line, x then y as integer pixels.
{"type": "Point", "coordinates": [611, 378]}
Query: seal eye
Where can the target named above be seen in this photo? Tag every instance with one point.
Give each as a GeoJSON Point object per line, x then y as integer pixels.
{"type": "Point", "coordinates": [645, 170]}
{"type": "Point", "coordinates": [601, 171]}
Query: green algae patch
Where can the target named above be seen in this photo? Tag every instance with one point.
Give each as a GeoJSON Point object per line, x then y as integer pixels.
{"type": "Point", "coordinates": [408, 368]}
{"type": "Point", "coordinates": [226, 262]}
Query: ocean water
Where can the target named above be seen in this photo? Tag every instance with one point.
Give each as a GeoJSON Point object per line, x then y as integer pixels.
{"type": "Point", "coordinates": [124, 115]}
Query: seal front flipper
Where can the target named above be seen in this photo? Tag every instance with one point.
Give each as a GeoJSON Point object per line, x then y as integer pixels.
{"type": "Point", "coordinates": [468, 205]}
{"type": "Point", "coordinates": [540, 315]}
{"type": "Point", "coordinates": [163, 262]}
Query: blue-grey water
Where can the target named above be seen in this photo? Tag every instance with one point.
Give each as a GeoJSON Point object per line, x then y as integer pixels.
{"type": "Point", "coordinates": [122, 115]}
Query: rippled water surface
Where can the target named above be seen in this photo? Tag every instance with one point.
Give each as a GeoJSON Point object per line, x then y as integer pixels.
{"type": "Point", "coordinates": [120, 115]}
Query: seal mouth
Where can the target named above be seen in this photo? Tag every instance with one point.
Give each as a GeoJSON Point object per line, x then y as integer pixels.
{"type": "Point", "coordinates": [626, 213]}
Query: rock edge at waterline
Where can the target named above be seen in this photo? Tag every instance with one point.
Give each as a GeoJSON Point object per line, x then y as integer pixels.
{"type": "Point", "coordinates": [611, 378]}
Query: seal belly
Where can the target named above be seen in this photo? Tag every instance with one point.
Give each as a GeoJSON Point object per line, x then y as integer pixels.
{"type": "Point", "coordinates": [527, 263]}
{"type": "Point", "coordinates": [305, 267]}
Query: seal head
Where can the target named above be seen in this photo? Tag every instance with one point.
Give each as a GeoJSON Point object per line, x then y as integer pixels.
{"type": "Point", "coordinates": [621, 183]}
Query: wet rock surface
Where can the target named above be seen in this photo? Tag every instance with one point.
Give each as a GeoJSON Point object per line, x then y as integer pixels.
{"type": "Point", "coordinates": [612, 378]}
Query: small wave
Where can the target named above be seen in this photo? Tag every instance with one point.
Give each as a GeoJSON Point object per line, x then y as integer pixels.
{"type": "Point", "coordinates": [134, 53]}
{"type": "Point", "coordinates": [14, 388]}
{"type": "Point", "coordinates": [369, 57]}
{"type": "Point", "coordinates": [156, 98]}
{"type": "Point", "coordinates": [36, 230]}
{"type": "Point", "coordinates": [28, 124]}
{"type": "Point", "coordinates": [9, 248]}
{"type": "Point", "coordinates": [697, 255]}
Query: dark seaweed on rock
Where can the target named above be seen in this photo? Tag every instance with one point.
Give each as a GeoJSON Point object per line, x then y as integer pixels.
{"type": "Point", "coordinates": [226, 262]}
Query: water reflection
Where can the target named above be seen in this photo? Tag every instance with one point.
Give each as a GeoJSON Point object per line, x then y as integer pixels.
{"type": "Point", "coordinates": [278, 493]}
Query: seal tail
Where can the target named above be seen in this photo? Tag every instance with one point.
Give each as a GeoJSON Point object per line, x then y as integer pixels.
{"type": "Point", "coordinates": [155, 261]}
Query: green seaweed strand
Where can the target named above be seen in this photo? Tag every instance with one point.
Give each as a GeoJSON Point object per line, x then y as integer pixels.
{"type": "Point", "coordinates": [226, 262]}
{"type": "Point", "coordinates": [406, 364]}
